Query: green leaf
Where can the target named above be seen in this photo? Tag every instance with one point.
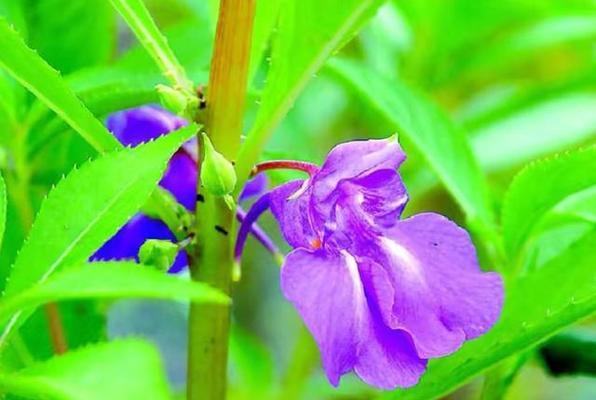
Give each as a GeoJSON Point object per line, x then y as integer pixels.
{"type": "Point", "coordinates": [2, 209]}
{"type": "Point", "coordinates": [539, 188]}
{"type": "Point", "coordinates": [252, 365]}
{"type": "Point", "coordinates": [444, 147]}
{"type": "Point", "coordinates": [309, 32]}
{"type": "Point", "coordinates": [532, 40]}
{"type": "Point", "coordinates": [537, 130]}
{"type": "Point", "coordinates": [138, 18]}
{"type": "Point", "coordinates": [87, 207]}
{"type": "Point", "coordinates": [266, 16]}
{"type": "Point", "coordinates": [120, 370]}
{"type": "Point", "coordinates": [109, 280]}
{"type": "Point", "coordinates": [102, 91]}
{"type": "Point", "coordinates": [44, 82]}
{"type": "Point", "coordinates": [86, 32]}
{"type": "Point", "coordinates": [536, 307]}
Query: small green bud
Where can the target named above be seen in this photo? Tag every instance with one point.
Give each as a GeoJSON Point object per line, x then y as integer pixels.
{"type": "Point", "coordinates": [172, 99]}
{"type": "Point", "coordinates": [217, 173]}
{"type": "Point", "coordinates": [158, 253]}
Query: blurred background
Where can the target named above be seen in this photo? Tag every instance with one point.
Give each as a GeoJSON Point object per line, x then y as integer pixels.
{"type": "Point", "coordinates": [517, 76]}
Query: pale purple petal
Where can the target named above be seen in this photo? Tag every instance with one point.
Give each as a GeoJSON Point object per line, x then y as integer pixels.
{"type": "Point", "coordinates": [381, 197]}
{"type": "Point", "coordinates": [327, 292]}
{"type": "Point", "coordinates": [388, 358]}
{"type": "Point", "coordinates": [439, 295]}
{"type": "Point", "coordinates": [353, 159]}
{"type": "Point", "coordinates": [294, 216]}
{"type": "Point", "coordinates": [471, 299]}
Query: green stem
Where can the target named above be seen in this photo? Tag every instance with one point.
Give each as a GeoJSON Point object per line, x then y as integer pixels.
{"type": "Point", "coordinates": [212, 260]}
{"type": "Point", "coordinates": [20, 192]}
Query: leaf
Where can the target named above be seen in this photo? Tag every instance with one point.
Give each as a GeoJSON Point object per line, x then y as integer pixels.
{"type": "Point", "coordinates": [102, 90]}
{"type": "Point", "coordinates": [537, 130]}
{"type": "Point", "coordinates": [120, 370]}
{"type": "Point", "coordinates": [138, 18]}
{"type": "Point", "coordinates": [86, 32]}
{"type": "Point", "coordinates": [109, 280]}
{"type": "Point", "coordinates": [309, 32]}
{"type": "Point", "coordinates": [87, 207]}
{"type": "Point", "coordinates": [84, 323]}
{"type": "Point", "coordinates": [444, 147]}
{"type": "Point", "coordinates": [539, 188]}
{"type": "Point", "coordinates": [44, 82]}
{"type": "Point", "coordinates": [2, 209]}
{"type": "Point", "coordinates": [252, 365]}
{"type": "Point", "coordinates": [536, 307]}
{"type": "Point", "coordinates": [532, 40]}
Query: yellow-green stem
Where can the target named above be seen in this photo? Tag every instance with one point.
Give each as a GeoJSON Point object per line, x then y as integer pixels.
{"type": "Point", "coordinates": [211, 261]}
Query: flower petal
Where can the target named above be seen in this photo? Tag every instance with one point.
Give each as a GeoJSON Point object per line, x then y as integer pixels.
{"type": "Point", "coordinates": [440, 296]}
{"type": "Point", "coordinates": [141, 124]}
{"type": "Point", "coordinates": [326, 290]}
{"type": "Point", "coordinates": [254, 187]}
{"type": "Point", "coordinates": [387, 358]}
{"type": "Point", "coordinates": [125, 244]}
{"type": "Point", "coordinates": [180, 179]}
{"type": "Point", "coordinates": [294, 215]}
{"type": "Point", "coordinates": [471, 300]}
{"type": "Point", "coordinates": [352, 159]}
{"type": "Point", "coordinates": [380, 195]}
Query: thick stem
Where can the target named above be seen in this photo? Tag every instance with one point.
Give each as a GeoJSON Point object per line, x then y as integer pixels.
{"type": "Point", "coordinates": [212, 259]}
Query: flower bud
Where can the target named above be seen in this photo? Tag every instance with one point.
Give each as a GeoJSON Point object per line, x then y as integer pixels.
{"type": "Point", "coordinates": [158, 253]}
{"type": "Point", "coordinates": [217, 174]}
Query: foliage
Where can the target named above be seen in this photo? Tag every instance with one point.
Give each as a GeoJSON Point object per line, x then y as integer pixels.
{"type": "Point", "coordinates": [492, 101]}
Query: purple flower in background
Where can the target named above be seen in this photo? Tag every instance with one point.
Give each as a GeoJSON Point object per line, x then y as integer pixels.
{"type": "Point", "coordinates": [138, 125]}
{"type": "Point", "coordinates": [380, 295]}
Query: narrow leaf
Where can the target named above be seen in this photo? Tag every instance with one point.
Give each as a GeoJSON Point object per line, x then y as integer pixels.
{"type": "Point", "coordinates": [45, 83]}
{"type": "Point", "coordinates": [120, 370]}
{"type": "Point", "coordinates": [2, 209]}
{"type": "Point", "coordinates": [536, 307]}
{"type": "Point", "coordinates": [309, 32]}
{"type": "Point", "coordinates": [138, 18]}
{"type": "Point", "coordinates": [539, 188]}
{"type": "Point", "coordinates": [441, 143]}
{"type": "Point", "coordinates": [110, 280]}
{"type": "Point", "coordinates": [537, 130]}
{"type": "Point", "coordinates": [87, 207]}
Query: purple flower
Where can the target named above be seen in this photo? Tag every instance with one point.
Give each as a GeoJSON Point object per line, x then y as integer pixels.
{"type": "Point", "coordinates": [138, 125]}
{"type": "Point", "coordinates": [380, 295]}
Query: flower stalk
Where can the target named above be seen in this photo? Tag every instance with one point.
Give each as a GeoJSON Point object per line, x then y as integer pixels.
{"type": "Point", "coordinates": [211, 261]}
{"type": "Point", "coordinates": [303, 166]}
